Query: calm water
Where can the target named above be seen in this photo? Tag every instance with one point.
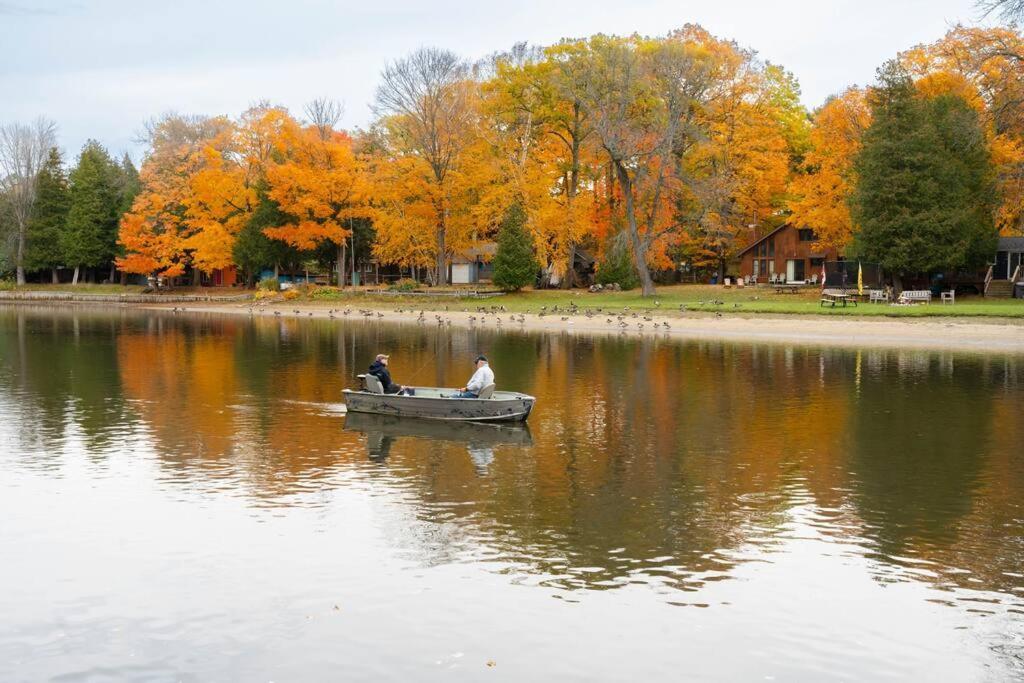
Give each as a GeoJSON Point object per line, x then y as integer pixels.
{"type": "Point", "coordinates": [182, 499]}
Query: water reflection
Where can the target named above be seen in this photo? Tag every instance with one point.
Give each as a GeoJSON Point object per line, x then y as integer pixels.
{"type": "Point", "coordinates": [480, 440]}
{"type": "Point", "coordinates": [647, 462]}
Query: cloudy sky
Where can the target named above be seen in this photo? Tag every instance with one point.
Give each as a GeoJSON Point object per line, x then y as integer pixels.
{"type": "Point", "coordinates": [100, 68]}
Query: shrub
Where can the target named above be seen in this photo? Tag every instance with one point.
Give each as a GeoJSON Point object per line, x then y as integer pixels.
{"type": "Point", "coordinates": [325, 294]}
{"type": "Point", "coordinates": [514, 265]}
{"type": "Point", "coordinates": [616, 267]}
{"type": "Point", "coordinates": [261, 294]}
{"type": "Point", "coordinates": [403, 285]}
{"type": "Point", "coordinates": [292, 294]}
{"type": "Point", "coordinates": [6, 285]}
{"type": "Point", "coordinates": [271, 284]}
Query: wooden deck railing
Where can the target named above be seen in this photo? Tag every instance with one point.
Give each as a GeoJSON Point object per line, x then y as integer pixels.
{"type": "Point", "coordinates": [1017, 274]}
{"type": "Point", "coordinates": [988, 280]}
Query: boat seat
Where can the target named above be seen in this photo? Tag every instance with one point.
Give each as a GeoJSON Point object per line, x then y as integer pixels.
{"type": "Point", "coordinates": [373, 384]}
{"type": "Point", "coordinates": [487, 391]}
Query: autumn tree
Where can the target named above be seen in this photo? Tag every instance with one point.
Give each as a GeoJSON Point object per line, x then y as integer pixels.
{"type": "Point", "coordinates": [736, 155]}
{"type": "Point", "coordinates": [821, 193]}
{"type": "Point", "coordinates": [49, 217]}
{"type": "Point", "coordinates": [425, 102]}
{"type": "Point", "coordinates": [534, 123]}
{"type": "Point", "coordinates": [639, 93]}
{"type": "Point", "coordinates": [319, 184]}
{"type": "Point", "coordinates": [223, 189]}
{"type": "Point", "coordinates": [924, 197]}
{"type": "Point", "coordinates": [24, 149]}
{"type": "Point", "coordinates": [153, 233]}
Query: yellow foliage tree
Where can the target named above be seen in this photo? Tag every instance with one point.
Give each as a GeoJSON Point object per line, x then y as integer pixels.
{"type": "Point", "coordinates": [821, 193]}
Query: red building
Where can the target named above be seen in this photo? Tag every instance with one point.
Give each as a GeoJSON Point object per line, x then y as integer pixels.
{"type": "Point", "coordinates": [787, 250]}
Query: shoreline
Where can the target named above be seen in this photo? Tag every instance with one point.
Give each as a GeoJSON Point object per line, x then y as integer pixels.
{"type": "Point", "coordinates": [986, 335]}
{"type": "Point", "coordinates": [993, 335]}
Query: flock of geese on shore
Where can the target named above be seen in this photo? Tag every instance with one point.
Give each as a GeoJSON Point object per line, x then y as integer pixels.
{"type": "Point", "coordinates": [623, 319]}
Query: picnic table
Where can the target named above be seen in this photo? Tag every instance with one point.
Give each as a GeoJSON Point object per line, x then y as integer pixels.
{"type": "Point", "coordinates": [787, 288]}
{"type": "Point", "coordinates": [835, 298]}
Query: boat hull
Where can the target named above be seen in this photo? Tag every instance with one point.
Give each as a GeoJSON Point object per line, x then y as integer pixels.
{"type": "Point", "coordinates": [431, 404]}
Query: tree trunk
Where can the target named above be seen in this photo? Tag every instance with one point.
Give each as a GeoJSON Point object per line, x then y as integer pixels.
{"type": "Point", "coordinates": [54, 276]}
{"type": "Point", "coordinates": [341, 264]}
{"type": "Point", "coordinates": [196, 277]}
{"type": "Point", "coordinates": [21, 255]}
{"type": "Point", "coordinates": [639, 248]}
{"type": "Point", "coordinates": [277, 270]}
{"type": "Point", "coordinates": [113, 273]}
{"type": "Point", "coordinates": [74, 278]}
{"type": "Point", "coordinates": [442, 270]}
{"type": "Point", "coordinates": [570, 272]}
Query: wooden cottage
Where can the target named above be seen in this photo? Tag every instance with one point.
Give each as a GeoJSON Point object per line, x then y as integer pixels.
{"type": "Point", "coordinates": [787, 250]}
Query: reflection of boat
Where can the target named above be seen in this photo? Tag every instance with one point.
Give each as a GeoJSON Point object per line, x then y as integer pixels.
{"type": "Point", "coordinates": [431, 403]}
{"type": "Point", "coordinates": [470, 433]}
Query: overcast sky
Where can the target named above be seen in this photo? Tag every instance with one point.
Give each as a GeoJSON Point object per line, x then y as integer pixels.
{"type": "Point", "coordinates": [100, 68]}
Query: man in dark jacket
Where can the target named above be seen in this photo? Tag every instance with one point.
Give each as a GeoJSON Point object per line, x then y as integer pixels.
{"type": "Point", "coordinates": [379, 369]}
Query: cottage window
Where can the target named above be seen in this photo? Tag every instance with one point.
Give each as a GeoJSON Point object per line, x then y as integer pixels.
{"type": "Point", "coordinates": [771, 247]}
{"type": "Point", "coordinates": [806, 235]}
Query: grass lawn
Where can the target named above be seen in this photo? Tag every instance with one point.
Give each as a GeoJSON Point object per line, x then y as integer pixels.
{"type": "Point", "coordinates": [80, 289]}
{"type": "Point", "coordinates": [694, 298]}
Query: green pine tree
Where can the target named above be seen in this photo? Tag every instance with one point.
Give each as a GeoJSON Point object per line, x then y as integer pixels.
{"type": "Point", "coordinates": [514, 265]}
{"type": "Point", "coordinates": [925, 196]}
{"type": "Point", "coordinates": [616, 267]}
{"type": "Point", "coordinates": [91, 234]}
{"type": "Point", "coordinates": [253, 250]}
{"type": "Point", "coordinates": [128, 186]}
{"type": "Point", "coordinates": [49, 217]}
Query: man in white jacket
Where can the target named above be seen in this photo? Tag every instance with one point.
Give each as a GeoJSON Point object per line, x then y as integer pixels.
{"type": "Point", "coordinates": [480, 379]}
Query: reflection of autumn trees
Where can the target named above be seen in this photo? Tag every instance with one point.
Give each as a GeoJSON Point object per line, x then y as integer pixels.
{"type": "Point", "coordinates": [649, 455]}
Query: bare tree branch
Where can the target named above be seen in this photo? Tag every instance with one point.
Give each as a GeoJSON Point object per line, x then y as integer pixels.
{"type": "Point", "coordinates": [1010, 11]}
{"type": "Point", "coordinates": [325, 114]}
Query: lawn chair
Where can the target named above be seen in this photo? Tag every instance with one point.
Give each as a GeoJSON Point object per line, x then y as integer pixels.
{"type": "Point", "coordinates": [814, 279]}
{"type": "Point", "coordinates": [949, 296]}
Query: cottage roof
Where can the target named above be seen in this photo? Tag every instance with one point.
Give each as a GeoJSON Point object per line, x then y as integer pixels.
{"type": "Point", "coordinates": [1011, 244]}
{"type": "Point", "coordinates": [763, 238]}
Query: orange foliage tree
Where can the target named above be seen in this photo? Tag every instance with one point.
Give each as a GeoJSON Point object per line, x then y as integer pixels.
{"type": "Point", "coordinates": [821, 193]}
{"type": "Point", "coordinates": [154, 232]}
{"type": "Point", "coordinates": [321, 184]}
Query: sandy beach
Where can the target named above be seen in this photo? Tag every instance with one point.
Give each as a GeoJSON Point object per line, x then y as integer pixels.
{"type": "Point", "coordinates": [988, 335]}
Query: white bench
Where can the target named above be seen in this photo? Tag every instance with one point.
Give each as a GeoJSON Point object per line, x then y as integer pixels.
{"type": "Point", "coordinates": [876, 296]}
{"type": "Point", "coordinates": [913, 296]}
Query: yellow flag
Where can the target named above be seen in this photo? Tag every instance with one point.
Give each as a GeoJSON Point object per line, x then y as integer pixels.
{"type": "Point", "coordinates": [860, 278]}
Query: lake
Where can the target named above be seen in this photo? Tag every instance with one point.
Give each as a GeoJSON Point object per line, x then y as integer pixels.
{"type": "Point", "coordinates": [183, 498]}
